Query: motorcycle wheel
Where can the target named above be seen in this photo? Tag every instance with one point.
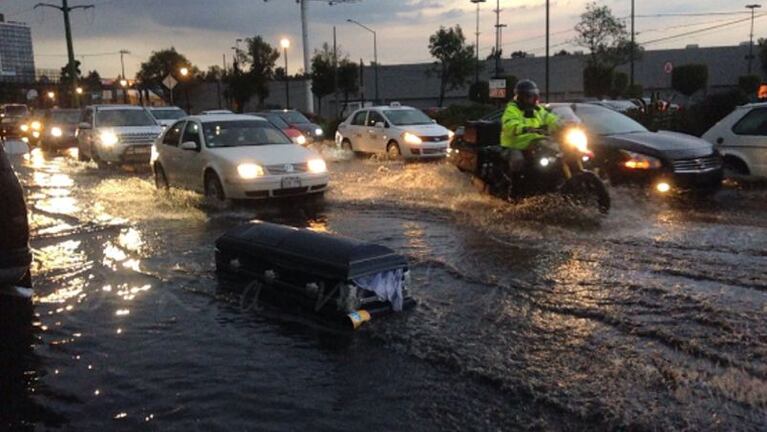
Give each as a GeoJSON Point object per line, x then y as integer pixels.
{"type": "Point", "coordinates": [586, 189]}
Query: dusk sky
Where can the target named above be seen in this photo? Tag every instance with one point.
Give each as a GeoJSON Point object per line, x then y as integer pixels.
{"type": "Point", "coordinates": [205, 29]}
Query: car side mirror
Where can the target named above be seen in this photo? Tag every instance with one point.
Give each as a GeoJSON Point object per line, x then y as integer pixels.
{"type": "Point", "coordinates": [434, 121]}
{"type": "Point", "coordinates": [189, 145]}
{"type": "Point", "coordinates": [84, 125]}
{"type": "Point", "coordinates": [380, 125]}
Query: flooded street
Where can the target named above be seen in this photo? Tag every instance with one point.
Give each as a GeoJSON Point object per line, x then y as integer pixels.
{"type": "Point", "coordinates": [531, 316]}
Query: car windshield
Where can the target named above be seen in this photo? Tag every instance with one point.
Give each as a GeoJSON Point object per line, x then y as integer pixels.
{"type": "Point", "coordinates": [275, 119]}
{"type": "Point", "coordinates": [604, 121]}
{"type": "Point", "coordinates": [294, 117]}
{"type": "Point", "coordinates": [406, 117]}
{"type": "Point", "coordinates": [168, 114]}
{"type": "Point", "coordinates": [242, 133]}
{"type": "Point", "coordinates": [65, 117]}
{"type": "Point", "coordinates": [121, 118]}
{"type": "Point", "coordinates": [15, 110]}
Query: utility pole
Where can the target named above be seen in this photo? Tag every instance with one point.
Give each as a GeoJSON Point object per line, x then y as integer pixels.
{"type": "Point", "coordinates": [633, 41]}
{"type": "Point", "coordinates": [72, 66]}
{"type": "Point", "coordinates": [476, 47]}
{"type": "Point", "coordinates": [307, 60]}
{"type": "Point", "coordinates": [123, 77]}
{"type": "Point", "coordinates": [375, 55]}
{"type": "Point", "coordinates": [548, 56]}
{"type": "Point", "coordinates": [497, 38]}
{"type": "Point", "coordinates": [753, 7]}
{"type": "Point", "coordinates": [335, 70]}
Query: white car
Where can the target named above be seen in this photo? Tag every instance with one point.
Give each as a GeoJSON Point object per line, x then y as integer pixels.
{"type": "Point", "coordinates": [116, 134]}
{"type": "Point", "coordinates": [232, 156]}
{"type": "Point", "coordinates": [167, 115]}
{"type": "Point", "coordinates": [741, 138]}
{"type": "Point", "coordinates": [398, 131]}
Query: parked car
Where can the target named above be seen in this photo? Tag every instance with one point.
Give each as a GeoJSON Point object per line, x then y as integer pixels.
{"type": "Point", "coordinates": [620, 105]}
{"type": "Point", "coordinates": [57, 129]}
{"type": "Point", "coordinates": [15, 256]}
{"type": "Point", "coordinates": [217, 111]}
{"type": "Point", "coordinates": [741, 137]}
{"type": "Point", "coordinates": [231, 156]}
{"type": "Point", "coordinates": [396, 130]}
{"type": "Point", "coordinates": [312, 131]}
{"type": "Point", "coordinates": [276, 120]}
{"type": "Point", "coordinates": [628, 153]}
{"type": "Point", "coordinates": [116, 134]}
{"type": "Point", "coordinates": [11, 116]}
{"type": "Point", "coordinates": [166, 116]}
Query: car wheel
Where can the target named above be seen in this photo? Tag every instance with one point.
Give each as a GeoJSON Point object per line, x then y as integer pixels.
{"type": "Point", "coordinates": [347, 145]}
{"type": "Point", "coordinates": [734, 167]}
{"type": "Point", "coordinates": [393, 151]}
{"type": "Point", "coordinates": [214, 192]}
{"type": "Point", "coordinates": [81, 156]}
{"type": "Point", "coordinates": [160, 180]}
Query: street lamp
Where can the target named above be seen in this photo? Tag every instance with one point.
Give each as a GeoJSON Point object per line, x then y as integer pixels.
{"type": "Point", "coordinates": [285, 44]}
{"type": "Point", "coordinates": [124, 85]}
{"type": "Point", "coordinates": [51, 95]}
{"type": "Point", "coordinates": [79, 90]}
{"type": "Point", "coordinates": [375, 53]}
{"type": "Point", "coordinates": [184, 72]}
{"type": "Point", "coordinates": [753, 7]}
{"type": "Point", "coordinates": [476, 66]}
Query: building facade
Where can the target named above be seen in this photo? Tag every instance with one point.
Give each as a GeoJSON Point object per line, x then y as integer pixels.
{"type": "Point", "coordinates": [17, 61]}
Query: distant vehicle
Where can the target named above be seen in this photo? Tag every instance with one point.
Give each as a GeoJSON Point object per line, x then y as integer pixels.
{"type": "Point", "coordinates": [219, 111]}
{"type": "Point", "coordinates": [621, 106]}
{"type": "Point", "coordinates": [396, 130]}
{"type": "Point", "coordinates": [166, 116]}
{"type": "Point", "coordinates": [121, 134]}
{"type": "Point", "coordinates": [30, 127]}
{"type": "Point", "coordinates": [57, 129]}
{"type": "Point", "coordinates": [741, 137]}
{"type": "Point", "coordinates": [627, 153]}
{"type": "Point", "coordinates": [11, 116]}
{"type": "Point", "coordinates": [15, 255]}
{"type": "Point", "coordinates": [231, 156]}
{"type": "Point", "coordinates": [312, 131]}
{"type": "Point", "coordinates": [275, 119]}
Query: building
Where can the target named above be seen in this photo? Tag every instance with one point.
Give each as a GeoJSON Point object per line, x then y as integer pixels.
{"type": "Point", "coordinates": [17, 62]}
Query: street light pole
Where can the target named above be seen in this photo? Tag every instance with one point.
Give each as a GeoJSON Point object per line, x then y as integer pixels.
{"type": "Point", "coordinates": [476, 48]}
{"type": "Point", "coordinates": [753, 7]}
{"type": "Point", "coordinates": [497, 38]}
{"type": "Point", "coordinates": [548, 56]}
{"type": "Point", "coordinates": [375, 54]}
{"type": "Point", "coordinates": [633, 41]}
{"type": "Point", "coordinates": [285, 43]}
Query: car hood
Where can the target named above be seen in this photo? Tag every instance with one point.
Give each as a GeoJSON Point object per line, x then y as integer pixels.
{"type": "Point", "coordinates": [265, 155]}
{"type": "Point", "coordinates": [132, 129]}
{"type": "Point", "coordinates": [305, 127]}
{"type": "Point", "coordinates": [165, 122]}
{"type": "Point", "coordinates": [426, 130]}
{"type": "Point", "coordinates": [669, 145]}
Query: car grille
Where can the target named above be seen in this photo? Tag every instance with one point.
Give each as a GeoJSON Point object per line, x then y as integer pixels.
{"type": "Point", "coordinates": [697, 165]}
{"type": "Point", "coordinates": [434, 151]}
{"type": "Point", "coordinates": [287, 168]}
{"type": "Point", "coordinates": [435, 138]}
{"type": "Point", "coordinates": [137, 138]}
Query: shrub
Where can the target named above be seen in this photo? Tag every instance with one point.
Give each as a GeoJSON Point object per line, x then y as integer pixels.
{"type": "Point", "coordinates": [620, 85]}
{"type": "Point", "coordinates": [688, 79]}
{"type": "Point", "coordinates": [749, 84]}
{"type": "Point", "coordinates": [635, 91]}
{"type": "Point", "coordinates": [457, 115]}
{"type": "Point", "coordinates": [479, 92]}
{"type": "Point", "coordinates": [597, 81]}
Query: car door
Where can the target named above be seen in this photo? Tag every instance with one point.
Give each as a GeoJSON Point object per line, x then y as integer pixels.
{"type": "Point", "coordinates": [751, 140]}
{"type": "Point", "coordinates": [374, 136]}
{"type": "Point", "coordinates": [356, 131]}
{"type": "Point", "coordinates": [192, 161]}
{"type": "Point", "coordinates": [170, 154]}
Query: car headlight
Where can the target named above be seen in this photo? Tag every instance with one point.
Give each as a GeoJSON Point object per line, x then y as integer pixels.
{"type": "Point", "coordinates": [35, 125]}
{"type": "Point", "coordinates": [35, 134]}
{"type": "Point", "coordinates": [56, 132]}
{"type": "Point", "coordinates": [319, 132]}
{"type": "Point", "coordinates": [108, 139]}
{"type": "Point", "coordinates": [450, 134]}
{"type": "Point", "coordinates": [317, 166]}
{"type": "Point", "coordinates": [301, 140]}
{"type": "Point", "coordinates": [24, 127]}
{"type": "Point", "coordinates": [412, 139]}
{"type": "Point", "coordinates": [577, 139]}
{"type": "Point", "coordinates": [249, 171]}
{"type": "Point", "coordinates": [638, 161]}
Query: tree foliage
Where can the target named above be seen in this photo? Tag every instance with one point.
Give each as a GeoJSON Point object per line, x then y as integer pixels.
{"type": "Point", "coordinates": [255, 68]}
{"type": "Point", "coordinates": [605, 36]}
{"type": "Point", "coordinates": [454, 59]}
{"type": "Point", "coordinates": [763, 55]}
{"type": "Point", "coordinates": [348, 78]}
{"type": "Point", "coordinates": [597, 81]}
{"type": "Point", "coordinates": [690, 78]}
{"type": "Point", "coordinates": [323, 73]}
{"type": "Point", "coordinates": [749, 84]}
{"type": "Point", "coordinates": [65, 75]}
{"type": "Point", "coordinates": [161, 64]}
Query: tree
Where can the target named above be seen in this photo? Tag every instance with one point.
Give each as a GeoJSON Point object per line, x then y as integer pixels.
{"type": "Point", "coordinates": [65, 78]}
{"type": "Point", "coordinates": [605, 36]}
{"type": "Point", "coordinates": [348, 78]}
{"type": "Point", "coordinates": [619, 85]}
{"type": "Point", "coordinates": [688, 79]}
{"type": "Point", "coordinates": [323, 74]}
{"type": "Point", "coordinates": [519, 54]}
{"type": "Point", "coordinates": [261, 57]}
{"type": "Point", "coordinates": [597, 81]}
{"type": "Point", "coordinates": [479, 92]}
{"type": "Point", "coordinates": [749, 84]}
{"type": "Point", "coordinates": [763, 55]}
{"type": "Point", "coordinates": [92, 81]}
{"type": "Point", "coordinates": [455, 59]}
{"type": "Point", "coordinates": [161, 64]}
{"type": "Point", "coordinates": [563, 52]}
{"type": "Point", "coordinates": [213, 74]}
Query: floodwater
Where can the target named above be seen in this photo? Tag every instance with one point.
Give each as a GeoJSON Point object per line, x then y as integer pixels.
{"type": "Point", "coordinates": [531, 316]}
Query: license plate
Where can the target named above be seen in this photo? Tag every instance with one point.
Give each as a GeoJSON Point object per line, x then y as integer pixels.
{"type": "Point", "coordinates": [291, 182]}
{"type": "Point", "coordinates": [142, 150]}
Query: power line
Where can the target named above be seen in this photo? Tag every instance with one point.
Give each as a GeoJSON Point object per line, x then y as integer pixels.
{"type": "Point", "coordinates": [707, 29]}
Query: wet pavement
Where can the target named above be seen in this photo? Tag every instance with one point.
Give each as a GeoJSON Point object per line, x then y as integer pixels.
{"type": "Point", "coordinates": [531, 316]}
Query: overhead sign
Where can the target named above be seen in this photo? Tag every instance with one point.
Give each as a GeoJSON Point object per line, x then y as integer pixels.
{"type": "Point", "coordinates": [668, 68]}
{"type": "Point", "coordinates": [169, 82]}
{"type": "Point", "coordinates": [498, 88]}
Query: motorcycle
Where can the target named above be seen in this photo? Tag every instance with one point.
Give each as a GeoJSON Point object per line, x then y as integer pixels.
{"type": "Point", "coordinates": [552, 165]}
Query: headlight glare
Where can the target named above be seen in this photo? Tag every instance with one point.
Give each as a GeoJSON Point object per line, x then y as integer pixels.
{"type": "Point", "coordinates": [56, 132]}
{"type": "Point", "coordinates": [412, 139]}
{"type": "Point", "coordinates": [24, 127]}
{"type": "Point", "coordinates": [249, 171]}
{"type": "Point", "coordinates": [318, 132]}
{"type": "Point", "coordinates": [301, 140]}
{"type": "Point", "coordinates": [577, 139]}
{"type": "Point", "coordinates": [108, 139]}
{"type": "Point", "coordinates": [317, 166]}
{"type": "Point", "coordinates": [638, 161]}
{"type": "Point", "coordinates": [36, 125]}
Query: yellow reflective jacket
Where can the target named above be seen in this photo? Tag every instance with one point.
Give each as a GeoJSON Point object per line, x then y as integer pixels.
{"type": "Point", "coordinates": [514, 126]}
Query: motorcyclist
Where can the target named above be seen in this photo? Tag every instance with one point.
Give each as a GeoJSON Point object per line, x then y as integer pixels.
{"type": "Point", "coordinates": [524, 124]}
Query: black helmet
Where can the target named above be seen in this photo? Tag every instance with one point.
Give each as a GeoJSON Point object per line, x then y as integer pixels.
{"type": "Point", "coordinates": [526, 88]}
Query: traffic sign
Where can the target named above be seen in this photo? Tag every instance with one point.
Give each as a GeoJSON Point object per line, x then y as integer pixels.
{"type": "Point", "coordinates": [498, 88]}
{"type": "Point", "coordinates": [169, 82]}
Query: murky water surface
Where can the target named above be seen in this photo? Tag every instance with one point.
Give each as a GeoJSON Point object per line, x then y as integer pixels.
{"type": "Point", "coordinates": [531, 316]}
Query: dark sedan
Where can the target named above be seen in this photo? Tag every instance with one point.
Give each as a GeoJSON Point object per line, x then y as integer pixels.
{"type": "Point", "coordinates": [58, 129]}
{"type": "Point", "coordinates": [312, 131]}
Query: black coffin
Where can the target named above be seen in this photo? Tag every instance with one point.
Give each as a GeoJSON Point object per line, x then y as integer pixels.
{"type": "Point", "coordinates": [317, 269]}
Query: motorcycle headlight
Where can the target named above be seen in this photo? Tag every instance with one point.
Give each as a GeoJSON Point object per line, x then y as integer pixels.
{"type": "Point", "coordinates": [317, 166]}
{"type": "Point", "coordinates": [56, 132]}
{"type": "Point", "coordinates": [412, 139]}
{"type": "Point", "coordinates": [249, 171]}
{"type": "Point", "coordinates": [638, 161]}
{"type": "Point", "coordinates": [36, 125]}
{"type": "Point", "coordinates": [108, 139]}
{"type": "Point", "coordinates": [577, 139]}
